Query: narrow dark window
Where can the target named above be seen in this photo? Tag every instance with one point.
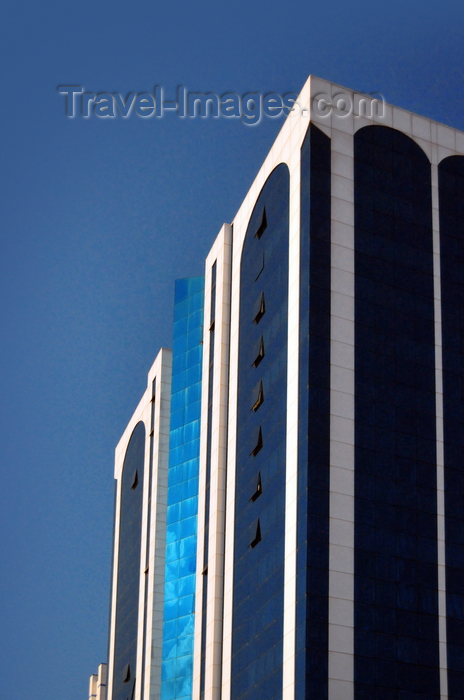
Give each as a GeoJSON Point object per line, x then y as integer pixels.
{"type": "Point", "coordinates": [257, 537]}
{"type": "Point", "coordinates": [126, 674]}
{"type": "Point", "coordinates": [135, 481]}
{"type": "Point", "coordinates": [259, 489]}
{"type": "Point", "coordinates": [259, 443]}
{"type": "Point", "coordinates": [260, 353]}
{"type": "Point", "coordinates": [261, 310]}
{"type": "Point", "coordinates": [263, 224]}
{"type": "Point", "coordinates": [260, 397]}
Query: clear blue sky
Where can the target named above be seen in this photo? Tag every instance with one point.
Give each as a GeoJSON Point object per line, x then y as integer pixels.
{"type": "Point", "coordinates": [98, 219]}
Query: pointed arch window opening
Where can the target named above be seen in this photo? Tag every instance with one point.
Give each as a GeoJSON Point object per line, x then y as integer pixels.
{"type": "Point", "coordinates": [259, 443]}
{"type": "Point", "coordinates": [257, 537]}
{"type": "Point", "coordinates": [262, 225]}
{"type": "Point", "coordinates": [260, 397]}
{"type": "Point", "coordinates": [261, 310]}
{"type": "Point", "coordinates": [259, 489]}
{"type": "Point", "coordinates": [260, 354]}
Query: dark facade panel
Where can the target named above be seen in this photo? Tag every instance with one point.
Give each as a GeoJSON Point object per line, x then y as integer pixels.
{"type": "Point", "coordinates": [257, 625]}
{"type": "Point", "coordinates": [451, 198]}
{"type": "Point", "coordinates": [128, 577]}
{"type": "Point", "coordinates": [314, 421]}
{"type": "Point", "coordinates": [396, 570]}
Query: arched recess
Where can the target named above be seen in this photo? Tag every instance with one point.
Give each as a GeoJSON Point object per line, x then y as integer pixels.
{"type": "Point", "coordinates": [396, 638]}
{"type": "Point", "coordinates": [258, 600]}
{"type": "Point", "coordinates": [128, 574]}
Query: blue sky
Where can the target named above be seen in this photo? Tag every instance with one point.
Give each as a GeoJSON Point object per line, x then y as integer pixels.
{"type": "Point", "coordinates": [100, 216]}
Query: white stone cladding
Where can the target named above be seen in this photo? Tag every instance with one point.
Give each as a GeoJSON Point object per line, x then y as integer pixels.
{"type": "Point", "coordinates": [220, 254]}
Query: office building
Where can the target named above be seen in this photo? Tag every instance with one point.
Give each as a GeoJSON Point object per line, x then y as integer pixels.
{"type": "Point", "coordinates": [315, 522]}
{"type": "Point", "coordinates": [137, 592]}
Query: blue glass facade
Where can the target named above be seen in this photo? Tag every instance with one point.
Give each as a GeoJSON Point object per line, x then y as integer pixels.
{"type": "Point", "coordinates": [182, 500]}
{"type": "Point", "coordinates": [257, 626]}
{"type": "Point", "coordinates": [396, 565]}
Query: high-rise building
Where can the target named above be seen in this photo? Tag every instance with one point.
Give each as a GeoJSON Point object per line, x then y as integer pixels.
{"type": "Point", "coordinates": [308, 541]}
{"type": "Point", "coordinates": [137, 595]}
